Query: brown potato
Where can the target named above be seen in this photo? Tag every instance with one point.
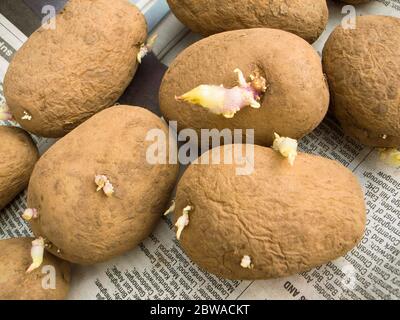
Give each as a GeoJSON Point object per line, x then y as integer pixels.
{"type": "Point", "coordinates": [363, 70]}
{"type": "Point", "coordinates": [285, 219]}
{"type": "Point", "coordinates": [18, 154]}
{"type": "Point", "coordinates": [61, 77]}
{"type": "Point", "coordinates": [16, 284]}
{"type": "Point", "coordinates": [85, 226]}
{"type": "Point", "coordinates": [306, 18]}
{"type": "Point", "coordinates": [297, 95]}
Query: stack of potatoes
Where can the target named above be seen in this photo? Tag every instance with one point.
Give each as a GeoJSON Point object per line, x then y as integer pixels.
{"type": "Point", "coordinates": [94, 195]}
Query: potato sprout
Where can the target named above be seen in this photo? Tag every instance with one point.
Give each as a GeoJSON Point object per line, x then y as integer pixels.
{"type": "Point", "coordinates": [30, 214]}
{"type": "Point", "coordinates": [5, 113]}
{"type": "Point", "coordinates": [287, 147]}
{"type": "Point", "coordinates": [225, 101]}
{"type": "Point", "coordinates": [26, 116]}
{"type": "Point", "coordinates": [146, 48]}
{"type": "Point", "coordinates": [104, 184]}
{"type": "Point", "coordinates": [390, 156]}
{"type": "Point", "coordinates": [37, 253]}
{"type": "Point", "coordinates": [170, 209]}
{"type": "Point", "coordinates": [246, 262]}
{"type": "Point", "coordinates": [183, 221]}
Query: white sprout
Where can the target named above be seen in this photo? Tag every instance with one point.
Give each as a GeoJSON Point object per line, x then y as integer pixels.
{"type": "Point", "coordinates": [183, 221]}
{"type": "Point", "coordinates": [108, 189]}
{"type": "Point", "coordinates": [170, 209]}
{"type": "Point", "coordinates": [246, 262]}
{"type": "Point", "coordinates": [26, 116]}
{"type": "Point", "coordinates": [287, 147]}
{"type": "Point", "coordinates": [146, 48]}
{"type": "Point", "coordinates": [37, 253]}
{"type": "Point", "coordinates": [103, 183]}
{"type": "Point", "coordinates": [30, 214]}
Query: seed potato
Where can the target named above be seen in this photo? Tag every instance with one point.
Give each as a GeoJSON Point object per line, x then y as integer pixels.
{"type": "Point", "coordinates": [86, 226]}
{"type": "Point", "coordinates": [363, 69]}
{"type": "Point", "coordinates": [296, 98]}
{"type": "Point", "coordinates": [61, 77]}
{"type": "Point", "coordinates": [278, 221]}
{"type": "Point", "coordinates": [16, 284]}
{"type": "Point", "coordinates": [306, 18]}
{"type": "Point", "coordinates": [18, 154]}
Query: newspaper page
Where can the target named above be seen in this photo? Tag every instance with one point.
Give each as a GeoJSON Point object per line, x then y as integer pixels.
{"type": "Point", "coordinates": [159, 269]}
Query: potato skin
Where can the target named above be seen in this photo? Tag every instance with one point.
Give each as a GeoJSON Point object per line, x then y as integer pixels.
{"type": "Point", "coordinates": [363, 70]}
{"type": "Point", "coordinates": [18, 155]}
{"type": "Point", "coordinates": [87, 226]}
{"type": "Point", "coordinates": [305, 18]}
{"type": "Point", "coordinates": [62, 77]}
{"type": "Point", "coordinates": [287, 219]}
{"type": "Point", "coordinates": [297, 97]}
{"type": "Point", "coordinates": [16, 284]}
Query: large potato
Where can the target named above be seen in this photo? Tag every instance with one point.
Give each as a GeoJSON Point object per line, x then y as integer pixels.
{"type": "Point", "coordinates": [16, 284]}
{"type": "Point", "coordinates": [61, 77]}
{"type": "Point", "coordinates": [18, 154]}
{"type": "Point", "coordinates": [284, 219]}
{"type": "Point", "coordinates": [85, 226]}
{"type": "Point", "coordinates": [363, 70]}
{"type": "Point", "coordinates": [297, 95]}
{"type": "Point", "coordinates": [306, 18]}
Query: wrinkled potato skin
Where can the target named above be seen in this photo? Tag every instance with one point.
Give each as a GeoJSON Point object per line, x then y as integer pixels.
{"type": "Point", "coordinates": [62, 77]}
{"type": "Point", "coordinates": [297, 97]}
{"type": "Point", "coordinates": [287, 219]}
{"type": "Point", "coordinates": [18, 155]}
{"type": "Point", "coordinates": [363, 70]}
{"type": "Point", "coordinates": [305, 18]}
{"type": "Point", "coordinates": [16, 284]}
{"type": "Point", "coordinates": [87, 226]}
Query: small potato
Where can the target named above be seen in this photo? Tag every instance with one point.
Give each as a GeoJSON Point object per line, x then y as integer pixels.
{"type": "Point", "coordinates": [363, 69]}
{"type": "Point", "coordinates": [305, 18]}
{"type": "Point", "coordinates": [18, 154]}
{"type": "Point", "coordinates": [63, 76]}
{"type": "Point", "coordinates": [293, 100]}
{"type": "Point", "coordinates": [96, 193]}
{"type": "Point", "coordinates": [16, 284]}
{"type": "Point", "coordinates": [278, 221]}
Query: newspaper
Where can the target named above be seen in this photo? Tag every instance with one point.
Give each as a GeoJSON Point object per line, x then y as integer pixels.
{"type": "Point", "coordinates": [159, 269]}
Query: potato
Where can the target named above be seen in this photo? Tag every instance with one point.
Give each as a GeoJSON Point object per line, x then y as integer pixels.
{"type": "Point", "coordinates": [306, 18]}
{"type": "Point", "coordinates": [61, 77]}
{"type": "Point", "coordinates": [85, 226]}
{"type": "Point", "coordinates": [16, 284]}
{"type": "Point", "coordinates": [363, 70]}
{"type": "Point", "coordinates": [280, 220]}
{"type": "Point", "coordinates": [297, 95]}
{"type": "Point", "coordinates": [18, 155]}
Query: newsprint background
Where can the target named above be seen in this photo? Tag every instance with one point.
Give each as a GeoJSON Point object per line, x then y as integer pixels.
{"type": "Point", "coordinates": [159, 269]}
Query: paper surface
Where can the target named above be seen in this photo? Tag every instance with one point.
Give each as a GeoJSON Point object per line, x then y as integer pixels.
{"type": "Point", "coordinates": [159, 269]}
